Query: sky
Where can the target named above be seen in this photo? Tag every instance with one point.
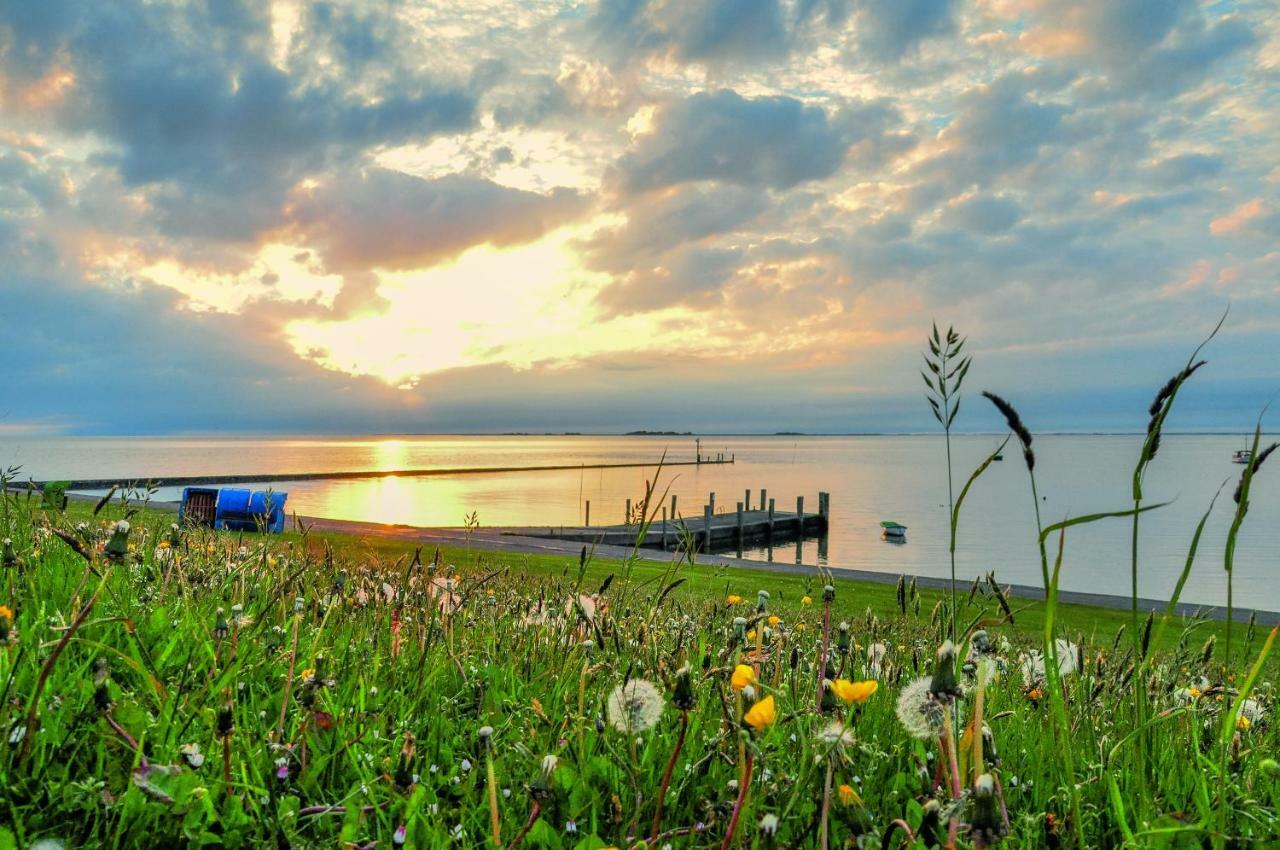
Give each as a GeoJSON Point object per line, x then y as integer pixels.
{"type": "Point", "coordinates": [710, 215]}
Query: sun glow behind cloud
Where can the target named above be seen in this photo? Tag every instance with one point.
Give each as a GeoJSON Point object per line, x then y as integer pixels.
{"type": "Point", "coordinates": [519, 306]}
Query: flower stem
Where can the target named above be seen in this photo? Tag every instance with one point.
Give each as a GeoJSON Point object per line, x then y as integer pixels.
{"type": "Point", "coordinates": [743, 785]}
{"type": "Point", "coordinates": [666, 776]}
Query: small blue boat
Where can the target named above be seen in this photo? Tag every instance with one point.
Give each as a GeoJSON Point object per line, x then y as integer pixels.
{"type": "Point", "coordinates": [233, 509]}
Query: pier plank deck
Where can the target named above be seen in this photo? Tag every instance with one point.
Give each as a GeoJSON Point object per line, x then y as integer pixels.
{"type": "Point", "coordinates": [665, 534]}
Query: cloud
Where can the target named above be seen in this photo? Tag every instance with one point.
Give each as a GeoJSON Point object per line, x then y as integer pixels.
{"type": "Point", "coordinates": [775, 142]}
{"type": "Point", "coordinates": [1186, 168]}
{"type": "Point", "coordinates": [889, 29]}
{"type": "Point", "coordinates": [193, 109]}
{"type": "Point", "coordinates": [484, 207]}
{"type": "Point", "coordinates": [1238, 218]}
{"type": "Point", "coordinates": [384, 219]}
{"type": "Point", "coordinates": [706, 31]}
{"type": "Point", "coordinates": [987, 214]}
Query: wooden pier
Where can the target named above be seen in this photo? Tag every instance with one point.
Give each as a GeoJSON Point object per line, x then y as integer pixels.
{"type": "Point", "coordinates": [284, 477]}
{"type": "Point", "coordinates": [711, 532]}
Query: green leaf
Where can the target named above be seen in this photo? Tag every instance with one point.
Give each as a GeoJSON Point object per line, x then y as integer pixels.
{"type": "Point", "coordinates": [964, 491]}
{"type": "Point", "coordinates": [1088, 518]}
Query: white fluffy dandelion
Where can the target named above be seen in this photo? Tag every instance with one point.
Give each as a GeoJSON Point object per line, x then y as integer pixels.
{"type": "Point", "coordinates": [835, 734]}
{"type": "Point", "coordinates": [920, 714]}
{"type": "Point", "coordinates": [1033, 672]}
{"type": "Point", "coordinates": [635, 706]}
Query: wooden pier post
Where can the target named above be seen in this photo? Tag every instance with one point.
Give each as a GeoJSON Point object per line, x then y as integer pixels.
{"type": "Point", "coordinates": [771, 518]}
{"type": "Point", "coordinates": [746, 500]}
{"type": "Point", "coordinates": [763, 503]}
{"type": "Point", "coordinates": [673, 507]}
{"type": "Point", "coordinates": [713, 503]}
{"type": "Point", "coordinates": [664, 526]}
{"type": "Point", "coordinates": [739, 526]}
{"type": "Point", "coordinates": [627, 521]}
{"type": "Point", "coordinates": [799, 517]}
{"type": "Point", "coordinates": [707, 513]}
{"type": "Point", "coordinates": [588, 522]}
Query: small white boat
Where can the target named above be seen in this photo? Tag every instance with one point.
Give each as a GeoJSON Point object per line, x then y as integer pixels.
{"type": "Point", "coordinates": [894, 531]}
{"type": "Point", "coordinates": [1242, 456]}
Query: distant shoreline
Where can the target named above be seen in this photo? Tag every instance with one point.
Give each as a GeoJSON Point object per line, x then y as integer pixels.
{"type": "Point", "coordinates": [297, 435]}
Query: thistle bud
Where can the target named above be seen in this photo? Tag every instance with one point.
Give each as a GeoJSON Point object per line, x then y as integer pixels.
{"type": "Point", "coordinates": [683, 697]}
{"type": "Point", "coordinates": [118, 546]}
{"type": "Point", "coordinates": [842, 637]}
{"type": "Point", "coordinates": [943, 684]}
{"type": "Point", "coordinates": [226, 721]}
{"type": "Point", "coordinates": [986, 824]}
{"type": "Point", "coordinates": [220, 629]}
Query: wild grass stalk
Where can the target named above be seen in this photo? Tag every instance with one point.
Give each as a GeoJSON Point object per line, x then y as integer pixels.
{"type": "Point", "coordinates": [948, 365]}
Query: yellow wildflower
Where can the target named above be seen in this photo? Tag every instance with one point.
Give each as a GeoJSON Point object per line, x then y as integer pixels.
{"type": "Point", "coordinates": [6, 613]}
{"type": "Point", "coordinates": [851, 692]}
{"type": "Point", "coordinates": [806, 600]}
{"type": "Point", "coordinates": [1195, 693]}
{"type": "Point", "coordinates": [742, 676]}
{"type": "Point", "coordinates": [762, 715]}
{"type": "Point", "coordinates": [751, 635]}
{"type": "Point", "coordinates": [1243, 722]}
{"type": "Point", "coordinates": [847, 795]}
{"type": "Point", "coordinates": [801, 627]}
{"type": "Point", "coordinates": [732, 599]}
{"type": "Point", "coordinates": [774, 620]}
{"type": "Point", "coordinates": [309, 673]}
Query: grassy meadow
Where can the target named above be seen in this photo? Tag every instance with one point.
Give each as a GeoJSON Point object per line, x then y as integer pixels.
{"type": "Point", "coordinates": [170, 687]}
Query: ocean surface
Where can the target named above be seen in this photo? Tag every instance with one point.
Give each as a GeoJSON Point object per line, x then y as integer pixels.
{"type": "Point", "coordinates": [870, 478]}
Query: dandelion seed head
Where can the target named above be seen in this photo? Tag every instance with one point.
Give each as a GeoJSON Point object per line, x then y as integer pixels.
{"type": "Point", "coordinates": [635, 706]}
{"type": "Point", "coordinates": [919, 712]}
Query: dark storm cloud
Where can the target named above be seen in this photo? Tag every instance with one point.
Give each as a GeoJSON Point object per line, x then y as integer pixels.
{"type": "Point", "coordinates": [775, 142]}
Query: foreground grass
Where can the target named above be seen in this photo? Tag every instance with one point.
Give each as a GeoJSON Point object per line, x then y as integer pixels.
{"type": "Point", "coordinates": [220, 690]}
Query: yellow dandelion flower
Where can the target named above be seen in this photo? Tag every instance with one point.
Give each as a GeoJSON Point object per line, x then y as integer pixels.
{"type": "Point", "coordinates": [801, 627]}
{"type": "Point", "coordinates": [806, 600]}
{"type": "Point", "coordinates": [309, 673]}
{"type": "Point", "coordinates": [6, 613]}
{"type": "Point", "coordinates": [751, 635]}
{"type": "Point", "coordinates": [847, 795]}
{"type": "Point", "coordinates": [1195, 693]}
{"type": "Point", "coordinates": [851, 692]}
{"type": "Point", "coordinates": [1243, 722]}
{"type": "Point", "coordinates": [742, 676]}
{"type": "Point", "coordinates": [732, 599]}
{"type": "Point", "coordinates": [774, 620]}
{"type": "Point", "coordinates": [762, 715]}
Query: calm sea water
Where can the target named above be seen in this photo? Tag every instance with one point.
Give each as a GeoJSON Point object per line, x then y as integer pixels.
{"type": "Point", "coordinates": [870, 478]}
